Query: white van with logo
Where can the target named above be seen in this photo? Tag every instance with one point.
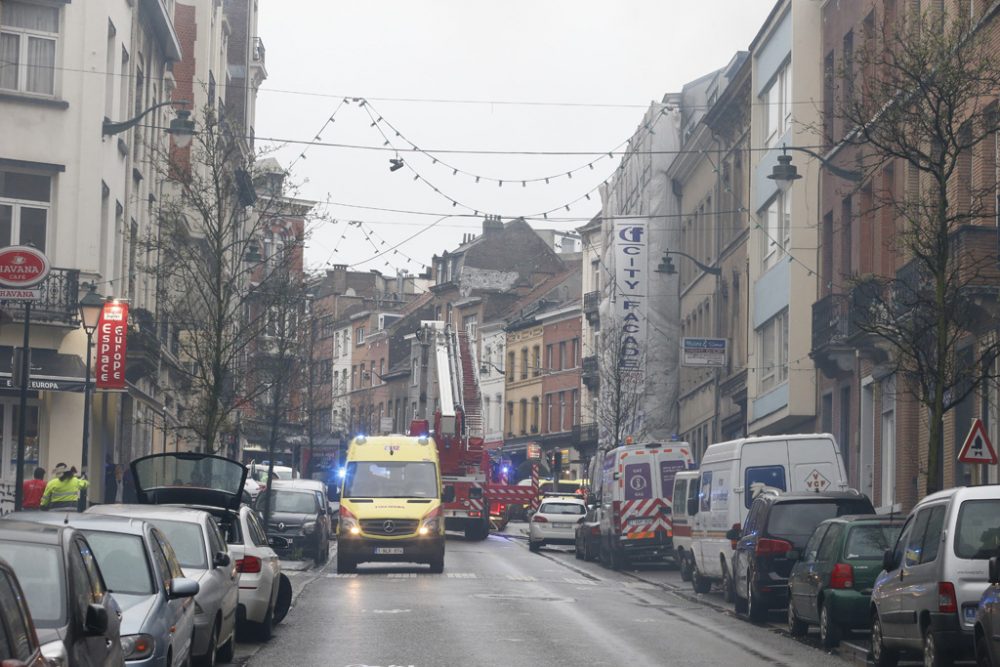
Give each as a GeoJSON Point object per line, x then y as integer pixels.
{"type": "Point", "coordinates": [636, 491]}
{"type": "Point", "coordinates": [733, 472]}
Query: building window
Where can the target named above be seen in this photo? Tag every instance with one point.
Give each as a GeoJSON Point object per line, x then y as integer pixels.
{"type": "Point", "coordinates": [28, 36]}
{"type": "Point", "coordinates": [560, 421]}
{"type": "Point", "coordinates": [562, 356]}
{"type": "Point", "coordinates": [574, 360]}
{"type": "Point", "coordinates": [778, 225]}
{"type": "Point", "coordinates": [536, 409]}
{"type": "Point", "coordinates": [550, 426]}
{"type": "Point", "coordinates": [510, 417]}
{"type": "Point", "coordinates": [574, 408]}
{"type": "Point", "coordinates": [471, 322]}
{"type": "Point", "coordinates": [524, 363]}
{"type": "Point", "coordinates": [773, 339]}
{"type": "Point", "coordinates": [524, 416]}
{"type": "Point", "coordinates": [536, 360]}
{"type": "Point", "coordinates": [486, 414]}
{"type": "Point", "coordinates": [777, 101]}
{"type": "Point", "coordinates": [549, 357]}
{"type": "Point", "coordinates": [359, 336]}
{"type": "Point", "coordinates": [24, 208]}
{"type": "Point", "coordinates": [888, 391]}
{"type": "Point", "coordinates": [510, 367]}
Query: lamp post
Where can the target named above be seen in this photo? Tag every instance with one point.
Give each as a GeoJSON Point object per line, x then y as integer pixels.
{"type": "Point", "coordinates": [90, 312]}
{"type": "Point", "coordinates": [181, 127]}
{"type": "Point", "coordinates": [785, 173]}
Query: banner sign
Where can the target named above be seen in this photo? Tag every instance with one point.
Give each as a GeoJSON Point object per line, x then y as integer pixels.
{"type": "Point", "coordinates": [703, 352]}
{"type": "Point", "coordinates": [631, 290]}
{"type": "Point", "coordinates": [22, 267]}
{"type": "Point", "coordinates": [112, 331]}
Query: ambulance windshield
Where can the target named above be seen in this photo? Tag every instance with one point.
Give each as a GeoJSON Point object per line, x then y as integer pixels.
{"type": "Point", "coordinates": [390, 479]}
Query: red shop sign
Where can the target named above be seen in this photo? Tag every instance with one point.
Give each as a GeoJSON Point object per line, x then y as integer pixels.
{"type": "Point", "coordinates": [112, 332]}
{"type": "Point", "coordinates": [22, 266]}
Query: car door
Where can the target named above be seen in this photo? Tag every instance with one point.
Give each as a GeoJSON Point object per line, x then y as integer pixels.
{"type": "Point", "coordinates": [228, 580]}
{"type": "Point", "coordinates": [888, 588]}
{"type": "Point", "coordinates": [88, 588]}
{"type": "Point", "coordinates": [819, 575]}
{"type": "Point", "coordinates": [918, 575]}
{"type": "Point", "coordinates": [745, 549]}
{"type": "Point", "coordinates": [799, 588]}
{"type": "Point", "coordinates": [172, 610]}
{"type": "Point", "coordinates": [184, 628]}
{"type": "Point", "coordinates": [17, 634]}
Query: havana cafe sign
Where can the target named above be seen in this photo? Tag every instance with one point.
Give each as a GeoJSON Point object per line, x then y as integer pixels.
{"type": "Point", "coordinates": [22, 269]}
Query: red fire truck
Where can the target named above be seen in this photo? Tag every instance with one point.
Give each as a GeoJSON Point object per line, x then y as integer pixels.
{"type": "Point", "coordinates": [458, 431]}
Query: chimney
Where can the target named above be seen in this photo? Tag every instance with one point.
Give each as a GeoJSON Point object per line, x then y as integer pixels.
{"type": "Point", "coordinates": [492, 224]}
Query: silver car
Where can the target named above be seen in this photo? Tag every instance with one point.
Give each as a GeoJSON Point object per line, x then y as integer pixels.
{"type": "Point", "coordinates": [204, 557]}
{"type": "Point", "coordinates": [143, 573]}
{"type": "Point", "coordinates": [925, 600]}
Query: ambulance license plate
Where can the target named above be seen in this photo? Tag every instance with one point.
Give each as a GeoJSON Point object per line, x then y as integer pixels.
{"type": "Point", "coordinates": [388, 551]}
{"type": "Point", "coordinates": [637, 521]}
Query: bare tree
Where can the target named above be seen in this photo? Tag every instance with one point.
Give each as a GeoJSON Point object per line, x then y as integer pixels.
{"type": "Point", "coordinates": [622, 383]}
{"type": "Point", "coordinates": [924, 103]}
{"type": "Point", "coordinates": [219, 207]}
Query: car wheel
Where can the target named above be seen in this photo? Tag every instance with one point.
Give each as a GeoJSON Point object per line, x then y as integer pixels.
{"type": "Point", "coordinates": [933, 655]}
{"type": "Point", "coordinates": [699, 583]}
{"type": "Point", "coordinates": [685, 567]}
{"type": "Point", "coordinates": [208, 659]}
{"type": "Point", "coordinates": [346, 565]}
{"type": "Point", "coordinates": [283, 601]}
{"type": "Point", "coordinates": [437, 564]}
{"type": "Point", "coordinates": [829, 631]}
{"type": "Point", "coordinates": [982, 650]}
{"type": "Point", "coordinates": [264, 630]}
{"type": "Point", "coordinates": [578, 551]}
{"type": "Point", "coordinates": [728, 587]}
{"type": "Point", "coordinates": [227, 650]}
{"type": "Point", "coordinates": [796, 626]}
{"type": "Point", "coordinates": [756, 604]}
{"type": "Point", "coordinates": [534, 546]}
{"type": "Point", "coordinates": [882, 655]}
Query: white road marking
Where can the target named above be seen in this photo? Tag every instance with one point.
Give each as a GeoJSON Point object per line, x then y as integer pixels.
{"type": "Point", "coordinates": [519, 577]}
{"type": "Point", "coordinates": [341, 576]}
{"type": "Point", "coordinates": [579, 581]}
{"type": "Point", "coordinates": [402, 575]}
{"type": "Point", "coordinates": [463, 575]}
{"type": "Point", "coordinates": [639, 585]}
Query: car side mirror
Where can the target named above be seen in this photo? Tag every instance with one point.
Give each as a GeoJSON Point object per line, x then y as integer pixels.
{"type": "Point", "coordinates": [182, 587]}
{"type": "Point", "coordinates": [994, 570]}
{"type": "Point", "coordinates": [221, 559]}
{"type": "Point", "coordinates": [96, 622]}
{"type": "Point", "coordinates": [448, 494]}
{"type": "Point", "coordinates": [888, 561]}
{"type": "Point", "coordinates": [692, 507]}
{"type": "Point", "coordinates": [733, 534]}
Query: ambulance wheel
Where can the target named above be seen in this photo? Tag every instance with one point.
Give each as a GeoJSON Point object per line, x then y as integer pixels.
{"type": "Point", "coordinates": [602, 555]}
{"type": "Point", "coordinates": [684, 563]}
{"type": "Point", "coordinates": [346, 565]}
{"type": "Point", "coordinates": [618, 560]}
{"type": "Point", "coordinates": [437, 564]}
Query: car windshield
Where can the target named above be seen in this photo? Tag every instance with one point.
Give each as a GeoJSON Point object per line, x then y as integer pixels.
{"type": "Point", "coordinates": [977, 534]}
{"type": "Point", "coordinates": [191, 470]}
{"type": "Point", "coordinates": [561, 508]}
{"type": "Point", "coordinates": [187, 539]}
{"type": "Point", "coordinates": [869, 541]}
{"type": "Point", "coordinates": [39, 569]}
{"type": "Point", "coordinates": [796, 521]}
{"type": "Point", "coordinates": [293, 502]}
{"type": "Point", "coordinates": [123, 562]}
{"type": "Point", "coordinates": [390, 479]}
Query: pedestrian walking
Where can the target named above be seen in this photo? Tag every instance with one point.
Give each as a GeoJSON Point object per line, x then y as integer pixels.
{"type": "Point", "coordinates": [64, 489]}
{"type": "Point", "coordinates": [31, 492]}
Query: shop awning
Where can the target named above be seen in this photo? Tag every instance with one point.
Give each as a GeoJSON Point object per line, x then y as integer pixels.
{"type": "Point", "coordinates": [50, 370]}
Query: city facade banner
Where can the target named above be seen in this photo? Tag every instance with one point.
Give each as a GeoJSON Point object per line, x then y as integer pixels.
{"type": "Point", "coordinates": [112, 335]}
{"type": "Point", "coordinates": [631, 289]}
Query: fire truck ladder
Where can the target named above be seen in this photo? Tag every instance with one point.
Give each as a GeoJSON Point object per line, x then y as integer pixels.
{"type": "Point", "coordinates": [469, 382]}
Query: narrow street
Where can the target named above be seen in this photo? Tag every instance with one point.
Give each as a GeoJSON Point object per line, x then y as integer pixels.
{"type": "Point", "coordinates": [505, 606]}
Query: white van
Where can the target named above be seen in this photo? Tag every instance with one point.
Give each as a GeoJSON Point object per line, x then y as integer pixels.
{"type": "Point", "coordinates": [733, 472]}
{"type": "Point", "coordinates": [636, 496]}
{"type": "Point", "coordinates": [685, 489]}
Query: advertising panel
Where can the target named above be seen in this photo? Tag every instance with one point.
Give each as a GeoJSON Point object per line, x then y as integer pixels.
{"type": "Point", "coordinates": [112, 334]}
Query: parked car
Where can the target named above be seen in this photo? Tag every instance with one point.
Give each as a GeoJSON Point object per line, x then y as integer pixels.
{"type": "Point", "coordinates": [926, 599]}
{"type": "Point", "coordinates": [77, 619]}
{"type": "Point", "coordinates": [204, 557]}
{"type": "Point", "coordinates": [260, 575]}
{"type": "Point", "coordinates": [555, 521]}
{"type": "Point", "coordinates": [143, 573]}
{"type": "Point", "coordinates": [831, 585]}
{"type": "Point", "coordinates": [685, 491]}
{"type": "Point", "coordinates": [299, 517]}
{"type": "Point", "coordinates": [732, 473]}
{"type": "Point", "coordinates": [588, 534]}
{"type": "Point", "coordinates": [776, 531]}
{"type": "Point", "coordinates": [19, 644]}
{"type": "Point", "coordinates": [987, 630]}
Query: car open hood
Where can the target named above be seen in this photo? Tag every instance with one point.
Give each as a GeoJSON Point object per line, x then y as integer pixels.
{"type": "Point", "coordinates": [189, 478]}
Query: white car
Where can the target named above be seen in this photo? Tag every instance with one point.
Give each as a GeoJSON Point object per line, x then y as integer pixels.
{"type": "Point", "coordinates": [260, 574]}
{"type": "Point", "coordinates": [555, 521]}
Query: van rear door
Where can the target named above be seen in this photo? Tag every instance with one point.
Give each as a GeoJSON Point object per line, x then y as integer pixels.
{"type": "Point", "coordinates": [643, 510]}
{"type": "Point", "coordinates": [815, 465]}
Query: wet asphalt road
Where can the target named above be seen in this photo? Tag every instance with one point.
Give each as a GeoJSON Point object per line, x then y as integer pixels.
{"type": "Point", "coordinates": [499, 604]}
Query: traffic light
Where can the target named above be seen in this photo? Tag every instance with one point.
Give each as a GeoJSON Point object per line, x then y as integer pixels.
{"type": "Point", "coordinates": [557, 459]}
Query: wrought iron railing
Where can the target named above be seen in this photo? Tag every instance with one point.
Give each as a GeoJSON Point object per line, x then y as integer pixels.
{"type": "Point", "coordinates": [58, 304]}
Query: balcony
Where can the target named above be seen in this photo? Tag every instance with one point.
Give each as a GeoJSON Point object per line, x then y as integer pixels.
{"type": "Point", "coordinates": [58, 305]}
{"type": "Point", "coordinates": [257, 59]}
{"type": "Point", "coordinates": [591, 373]}
{"type": "Point", "coordinates": [831, 350]}
{"type": "Point", "coordinates": [591, 303]}
{"type": "Point", "coordinates": [142, 355]}
{"type": "Point", "coordinates": [585, 435]}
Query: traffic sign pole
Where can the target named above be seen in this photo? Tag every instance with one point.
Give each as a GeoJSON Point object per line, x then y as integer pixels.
{"type": "Point", "coordinates": [23, 409]}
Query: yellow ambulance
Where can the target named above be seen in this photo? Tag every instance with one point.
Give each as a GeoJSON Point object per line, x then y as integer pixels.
{"type": "Point", "coordinates": [390, 503]}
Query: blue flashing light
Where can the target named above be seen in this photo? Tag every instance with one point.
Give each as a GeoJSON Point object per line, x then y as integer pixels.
{"type": "Point", "coordinates": [341, 473]}
{"type": "Point", "coordinates": [506, 469]}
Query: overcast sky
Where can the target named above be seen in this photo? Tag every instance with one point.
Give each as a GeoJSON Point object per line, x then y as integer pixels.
{"type": "Point", "coordinates": [469, 75]}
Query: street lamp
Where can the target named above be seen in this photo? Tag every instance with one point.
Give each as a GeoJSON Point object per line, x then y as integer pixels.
{"type": "Point", "coordinates": [181, 127]}
{"type": "Point", "coordinates": [667, 265]}
{"type": "Point", "coordinates": [90, 312]}
{"type": "Point", "coordinates": [785, 173]}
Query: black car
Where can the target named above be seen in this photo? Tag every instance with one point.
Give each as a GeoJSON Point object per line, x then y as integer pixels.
{"type": "Point", "coordinates": [588, 534]}
{"type": "Point", "coordinates": [300, 518]}
{"type": "Point", "coordinates": [77, 618]}
{"type": "Point", "coordinates": [776, 531]}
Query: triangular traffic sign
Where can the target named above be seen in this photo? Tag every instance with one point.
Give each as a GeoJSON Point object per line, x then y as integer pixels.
{"type": "Point", "coordinates": [977, 447]}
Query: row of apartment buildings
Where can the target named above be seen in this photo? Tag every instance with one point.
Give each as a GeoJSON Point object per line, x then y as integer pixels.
{"type": "Point", "coordinates": [88, 94]}
{"type": "Point", "coordinates": [727, 251]}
